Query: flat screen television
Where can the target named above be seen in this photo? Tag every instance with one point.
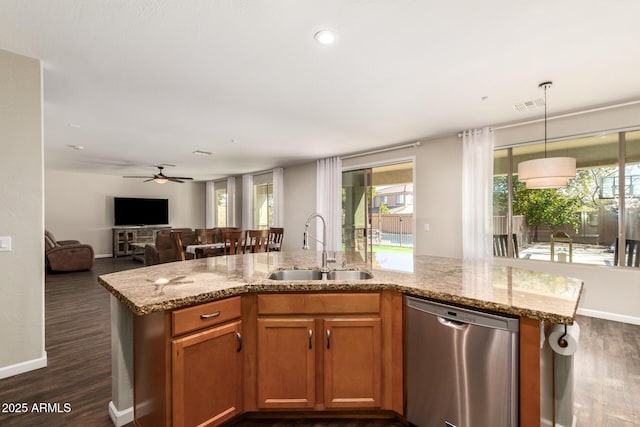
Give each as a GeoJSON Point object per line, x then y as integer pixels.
{"type": "Point", "coordinates": [139, 211]}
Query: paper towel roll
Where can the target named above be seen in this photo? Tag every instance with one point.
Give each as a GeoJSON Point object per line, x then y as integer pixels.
{"type": "Point", "coordinates": [572, 338]}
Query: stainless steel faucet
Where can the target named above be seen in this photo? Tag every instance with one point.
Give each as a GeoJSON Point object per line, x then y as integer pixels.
{"type": "Point", "coordinates": [306, 236]}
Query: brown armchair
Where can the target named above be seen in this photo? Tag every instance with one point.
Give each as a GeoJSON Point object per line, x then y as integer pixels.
{"type": "Point", "coordinates": [67, 255]}
{"type": "Point", "coordinates": [164, 249]}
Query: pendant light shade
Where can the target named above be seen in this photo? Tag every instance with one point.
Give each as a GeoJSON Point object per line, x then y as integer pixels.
{"type": "Point", "coordinates": [547, 172]}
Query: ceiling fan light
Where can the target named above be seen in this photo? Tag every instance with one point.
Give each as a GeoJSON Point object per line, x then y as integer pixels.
{"type": "Point", "coordinates": [160, 180]}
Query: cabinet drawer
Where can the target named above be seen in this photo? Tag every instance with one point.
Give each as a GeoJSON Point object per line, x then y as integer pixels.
{"type": "Point", "coordinates": [204, 315]}
{"type": "Point", "coordinates": [319, 303]}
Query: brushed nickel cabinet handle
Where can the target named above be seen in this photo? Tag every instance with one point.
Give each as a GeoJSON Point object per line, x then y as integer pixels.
{"type": "Point", "coordinates": [239, 342]}
{"type": "Point", "coordinates": [310, 339]}
{"type": "Point", "coordinates": [328, 339]}
{"type": "Point", "coordinates": [209, 316]}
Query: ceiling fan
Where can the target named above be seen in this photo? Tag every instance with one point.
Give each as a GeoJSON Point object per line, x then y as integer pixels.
{"type": "Point", "coordinates": [161, 178]}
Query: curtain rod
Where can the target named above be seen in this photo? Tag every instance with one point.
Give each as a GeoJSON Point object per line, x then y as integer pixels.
{"type": "Point", "coordinates": [381, 150]}
{"type": "Point", "coordinates": [561, 116]}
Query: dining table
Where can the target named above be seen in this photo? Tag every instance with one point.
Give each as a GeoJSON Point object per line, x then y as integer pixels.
{"type": "Point", "coordinates": [205, 249]}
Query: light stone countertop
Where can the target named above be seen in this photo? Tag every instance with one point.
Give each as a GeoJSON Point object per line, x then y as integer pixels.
{"type": "Point", "coordinates": [482, 286]}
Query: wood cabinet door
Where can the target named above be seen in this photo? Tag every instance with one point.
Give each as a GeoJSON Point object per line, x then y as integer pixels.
{"type": "Point", "coordinates": [286, 363]}
{"type": "Point", "coordinates": [352, 362]}
{"type": "Point", "coordinates": [207, 376]}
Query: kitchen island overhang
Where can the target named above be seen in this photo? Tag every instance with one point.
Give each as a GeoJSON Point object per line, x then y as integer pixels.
{"type": "Point", "coordinates": [484, 286]}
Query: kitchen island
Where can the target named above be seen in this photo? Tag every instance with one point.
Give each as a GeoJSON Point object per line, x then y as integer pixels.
{"type": "Point", "coordinates": [155, 294]}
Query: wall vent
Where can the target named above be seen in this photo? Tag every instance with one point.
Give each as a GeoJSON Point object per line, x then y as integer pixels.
{"type": "Point", "coordinates": [529, 105]}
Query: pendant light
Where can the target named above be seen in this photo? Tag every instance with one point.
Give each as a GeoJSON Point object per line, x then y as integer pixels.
{"type": "Point", "coordinates": [548, 172]}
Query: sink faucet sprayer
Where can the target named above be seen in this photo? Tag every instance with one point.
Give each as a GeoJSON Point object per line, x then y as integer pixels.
{"type": "Point", "coordinates": [306, 236]}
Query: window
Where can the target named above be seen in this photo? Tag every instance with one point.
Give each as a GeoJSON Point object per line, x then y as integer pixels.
{"type": "Point", "coordinates": [262, 201]}
{"type": "Point", "coordinates": [579, 223]}
{"type": "Point", "coordinates": [221, 207]}
{"type": "Point", "coordinates": [400, 199]}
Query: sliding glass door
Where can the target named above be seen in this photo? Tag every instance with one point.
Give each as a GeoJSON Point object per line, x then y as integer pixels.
{"type": "Point", "coordinates": [356, 212]}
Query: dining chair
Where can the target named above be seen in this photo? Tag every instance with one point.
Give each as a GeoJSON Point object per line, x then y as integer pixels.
{"type": "Point", "coordinates": [232, 242]}
{"type": "Point", "coordinates": [256, 241]}
{"type": "Point", "coordinates": [206, 235]}
{"type": "Point", "coordinates": [220, 231]}
{"type": "Point", "coordinates": [276, 235]}
{"type": "Point", "coordinates": [632, 249]}
{"type": "Point", "coordinates": [176, 238]}
{"type": "Point", "coordinates": [500, 247]}
{"type": "Point", "coordinates": [188, 238]}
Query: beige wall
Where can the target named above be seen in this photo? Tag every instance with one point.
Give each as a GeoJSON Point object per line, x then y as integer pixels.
{"type": "Point", "coordinates": [21, 215]}
{"type": "Point", "coordinates": [436, 201]}
{"type": "Point", "coordinates": [80, 206]}
{"type": "Point", "coordinates": [300, 201]}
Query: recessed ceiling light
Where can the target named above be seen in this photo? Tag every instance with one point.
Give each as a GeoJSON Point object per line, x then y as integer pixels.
{"type": "Point", "coordinates": [325, 37]}
{"type": "Point", "coordinates": [76, 147]}
{"type": "Point", "coordinates": [73, 125]}
{"type": "Point", "coordinates": [202, 153]}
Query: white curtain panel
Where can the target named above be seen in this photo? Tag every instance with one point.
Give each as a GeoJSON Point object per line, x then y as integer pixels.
{"type": "Point", "coordinates": [329, 201]}
{"type": "Point", "coordinates": [247, 201]}
{"type": "Point", "coordinates": [210, 205]}
{"type": "Point", "coordinates": [477, 193]}
{"type": "Point", "coordinates": [231, 201]}
{"type": "Point", "coordinates": [278, 197]}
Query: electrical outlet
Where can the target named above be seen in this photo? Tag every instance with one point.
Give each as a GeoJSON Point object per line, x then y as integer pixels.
{"type": "Point", "coordinates": [427, 227]}
{"type": "Point", "coordinates": [5, 243]}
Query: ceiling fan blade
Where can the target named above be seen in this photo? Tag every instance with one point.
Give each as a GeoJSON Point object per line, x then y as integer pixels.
{"type": "Point", "coordinates": [175, 180]}
{"type": "Point", "coordinates": [147, 180]}
{"type": "Point", "coordinates": [180, 177]}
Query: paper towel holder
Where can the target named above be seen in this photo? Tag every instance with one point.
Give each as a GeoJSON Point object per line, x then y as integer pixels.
{"type": "Point", "coordinates": [562, 342]}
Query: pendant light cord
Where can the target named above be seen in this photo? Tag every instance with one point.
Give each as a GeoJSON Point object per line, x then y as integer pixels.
{"type": "Point", "coordinates": [545, 86]}
{"type": "Point", "coordinates": [545, 121]}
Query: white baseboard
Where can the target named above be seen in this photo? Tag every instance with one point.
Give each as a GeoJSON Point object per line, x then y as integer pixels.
{"type": "Point", "coordinates": [609, 316]}
{"type": "Point", "coordinates": [120, 418]}
{"type": "Point", "coordinates": [22, 367]}
{"type": "Point", "coordinates": [103, 256]}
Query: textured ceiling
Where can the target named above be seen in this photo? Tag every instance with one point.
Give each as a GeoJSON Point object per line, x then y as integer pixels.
{"type": "Point", "coordinates": [139, 83]}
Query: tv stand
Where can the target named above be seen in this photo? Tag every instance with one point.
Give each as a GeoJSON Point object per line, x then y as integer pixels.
{"type": "Point", "coordinates": [124, 236]}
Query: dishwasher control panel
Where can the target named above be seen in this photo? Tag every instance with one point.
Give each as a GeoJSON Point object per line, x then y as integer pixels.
{"type": "Point", "coordinates": [464, 315]}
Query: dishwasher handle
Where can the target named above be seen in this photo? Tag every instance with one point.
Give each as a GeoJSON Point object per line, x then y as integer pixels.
{"type": "Point", "coordinates": [452, 323]}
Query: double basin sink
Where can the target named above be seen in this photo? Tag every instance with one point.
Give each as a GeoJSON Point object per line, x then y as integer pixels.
{"type": "Point", "coordinates": [318, 275]}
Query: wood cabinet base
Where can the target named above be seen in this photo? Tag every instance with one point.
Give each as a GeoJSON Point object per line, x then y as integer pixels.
{"type": "Point", "coordinates": [207, 364]}
{"type": "Point", "coordinates": [274, 416]}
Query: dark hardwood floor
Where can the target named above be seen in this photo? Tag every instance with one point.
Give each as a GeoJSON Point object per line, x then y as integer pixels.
{"type": "Point", "coordinates": [77, 334]}
{"type": "Point", "coordinates": [607, 374]}
{"type": "Point", "coordinates": [78, 345]}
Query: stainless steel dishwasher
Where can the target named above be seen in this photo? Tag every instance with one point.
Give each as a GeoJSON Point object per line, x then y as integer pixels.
{"type": "Point", "coordinates": [461, 367]}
